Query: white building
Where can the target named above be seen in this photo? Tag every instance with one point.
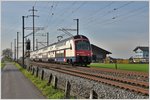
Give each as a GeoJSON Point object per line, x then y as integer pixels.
{"type": "Point", "coordinates": [141, 53]}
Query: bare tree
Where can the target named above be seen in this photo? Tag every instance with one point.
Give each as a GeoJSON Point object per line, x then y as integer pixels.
{"type": "Point", "coordinates": [7, 53]}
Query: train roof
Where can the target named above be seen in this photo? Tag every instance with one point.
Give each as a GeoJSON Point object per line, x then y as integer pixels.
{"type": "Point", "coordinates": [74, 37]}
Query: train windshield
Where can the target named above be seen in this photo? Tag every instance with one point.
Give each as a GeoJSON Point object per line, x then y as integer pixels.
{"type": "Point", "coordinates": [82, 45]}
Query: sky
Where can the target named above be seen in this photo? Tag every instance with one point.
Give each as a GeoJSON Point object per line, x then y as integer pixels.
{"type": "Point", "coordinates": [116, 26]}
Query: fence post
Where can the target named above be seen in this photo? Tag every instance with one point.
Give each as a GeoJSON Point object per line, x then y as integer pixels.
{"type": "Point", "coordinates": [93, 95]}
{"type": "Point", "coordinates": [55, 82]}
{"type": "Point", "coordinates": [33, 71]}
{"type": "Point", "coordinates": [67, 90]}
{"type": "Point", "coordinates": [29, 69]}
{"type": "Point", "coordinates": [37, 71]}
{"type": "Point", "coordinates": [42, 76]}
{"type": "Point", "coordinates": [50, 79]}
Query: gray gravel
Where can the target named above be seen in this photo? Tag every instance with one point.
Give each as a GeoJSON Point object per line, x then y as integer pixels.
{"type": "Point", "coordinates": [80, 87]}
{"type": "Point", "coordinates": [139, 78]}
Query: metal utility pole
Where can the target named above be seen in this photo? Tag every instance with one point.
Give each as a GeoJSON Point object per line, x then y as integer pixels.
{"type": "Point", "coordinates": [11, 51]}
{"type": "Point", "coordinates": [23, 40]}
{"type": "Point", "coordinates": [33, 15]}
{"type": "Point", "coordinates": [77, 26]}
{"type": "Point", "coordinates": [47, 38]}
{"type": "Point", "coordinates": [36, 44]}
{"type": "Point", "coordinates": [15, 49]}
{"type": "Point", "coordinates": [17, 44]}
{"type": "Point", "coordinates": [11, 46]}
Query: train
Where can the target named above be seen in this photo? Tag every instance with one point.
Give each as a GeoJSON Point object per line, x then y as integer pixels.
{"type": "Point", "coordinates": [75, 50]}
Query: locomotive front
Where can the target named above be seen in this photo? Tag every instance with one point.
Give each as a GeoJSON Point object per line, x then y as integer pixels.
{"type": "Point", "coordinates": [83, 50]}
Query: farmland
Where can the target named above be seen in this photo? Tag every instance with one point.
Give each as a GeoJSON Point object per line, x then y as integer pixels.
{"type": "Point", "coordinates": [129, 67]}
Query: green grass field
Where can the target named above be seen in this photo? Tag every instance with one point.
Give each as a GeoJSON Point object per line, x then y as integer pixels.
{"type": "Point", "coordinates": [130, 67]}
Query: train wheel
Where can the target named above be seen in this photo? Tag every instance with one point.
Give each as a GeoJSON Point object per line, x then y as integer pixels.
{"type": "Point", "coordinates": [72, 64]}
{"type": "Point", "coordinates": [68, 61]}
{"type": "Point", "coordinates": [81, 64]}
{"type": "Point", "coordinates": [85, 65]}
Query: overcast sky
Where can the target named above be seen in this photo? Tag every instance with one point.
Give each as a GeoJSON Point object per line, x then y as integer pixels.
{"type": "Point", "coordinates": [114, 26]}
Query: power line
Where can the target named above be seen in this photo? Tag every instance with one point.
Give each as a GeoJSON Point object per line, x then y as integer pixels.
{"type": "Point", "coordinates": [109, 21]}
{"type": "Point", "coordinates": [98, 11]}
{"type": "Point", "coordinates": [63, 19]}
{"type": "Point", "coordinates": [133, 13]}
{"type": "Point", "coordinates": [109, 12]}
{"type": "Point", "coordinates": [62, 14]}
{"type": "Point", "coordinates": [35, 3]}
{"type": "Point", "coordinates": [53, 12]}
{"type": "Point", "coordinates": [124, 5]}
{"type": "Point", "coordinates": [79, 7]}
{"type": "Point", "coordinates": [73, 11]}
{"type": "Point", "coordinates": [124, 16]}
{"type": "Point", "coordinates": [68, 8]}
{"type": "Point", "coordinates": [50, 14]}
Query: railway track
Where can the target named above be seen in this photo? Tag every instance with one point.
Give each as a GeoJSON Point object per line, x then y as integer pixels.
{"type": "Point", "coordinates": [120, 73]}
{"type": "Point", "coordinates": [130, 73]}
{"type": "Point", "coordinates": [128, 84]}
{"type": "Point", "coordinates": [116, 73]}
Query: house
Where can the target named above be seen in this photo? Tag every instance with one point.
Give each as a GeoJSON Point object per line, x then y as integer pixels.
{"type": "Point", "coordinates": [141, 54]}
{"type": "Point", "coordinates": [99, 54]}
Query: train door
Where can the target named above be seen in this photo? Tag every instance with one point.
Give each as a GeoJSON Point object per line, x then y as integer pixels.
{"type": "Point", "coordinates": [64, 55]}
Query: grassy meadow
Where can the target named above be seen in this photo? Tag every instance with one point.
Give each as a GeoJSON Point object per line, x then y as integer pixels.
{"type": "Point", "coordinates": [129, 67]}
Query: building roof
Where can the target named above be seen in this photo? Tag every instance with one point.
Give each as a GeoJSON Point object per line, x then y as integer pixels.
{"type": "Point", "coordinates": [142, 48]}
{"type": "Point", "coordinates": [94, 47]}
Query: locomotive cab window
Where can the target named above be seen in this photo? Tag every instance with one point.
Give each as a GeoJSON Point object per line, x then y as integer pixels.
{"type": "Point", "coordinates": [82, 45]}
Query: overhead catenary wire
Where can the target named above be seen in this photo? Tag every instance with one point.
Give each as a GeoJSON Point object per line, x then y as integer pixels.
{"type": "Point", "coordinates": [123, 16]}
{"type": "Point", "coordinates": [49, 14]}
{"type": "Point", "coordinates": [123, 5]}
{"type": "Point", "coordinates": [75, 9]}
{"type": "Point", "coordinates": [35, 3]}
{"type": "Point", "coordinates": [106, 7]}
{"type": "Point", "coordinates": [56, 21]}
{"type": "Point", "coordinates": [52, 14]}
{"type": "Point", "coordinates": [98, 11]}
{"type": "Point", "coordinates": [133, 13]}
{"type": "Point", "coordinates": [71, 12]}
{"type": "Point", "coordinates": [108, 12]}
{"type": "Point", "coordinates": [53, 8]}
{"type": "Point", "coordinates": [62, 13]}
{"type": "Point", "coordinates": [68, 8]}
{"type": "Point", "coordinates": [81, 5]}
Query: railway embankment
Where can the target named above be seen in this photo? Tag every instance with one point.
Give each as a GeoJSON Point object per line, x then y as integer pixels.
{"type": "Point", "coordinates": [83, 88]}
